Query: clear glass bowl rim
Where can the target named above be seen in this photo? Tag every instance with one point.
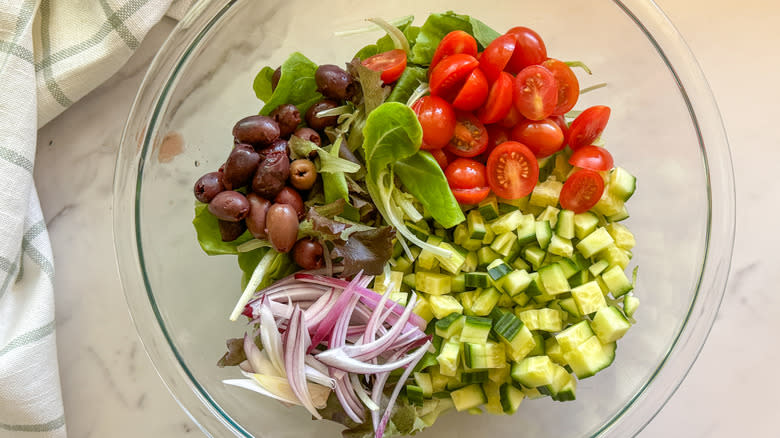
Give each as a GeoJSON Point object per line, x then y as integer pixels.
{"type": "Point", "coordinates": [640, 410]}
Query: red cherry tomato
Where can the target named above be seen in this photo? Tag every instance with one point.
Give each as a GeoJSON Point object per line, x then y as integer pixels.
{"type": "Point", "coordinates": [465, 173]}
{"type": "Point", "coordinates": [582, 190]}
{"type": "Point", "coordinates": [512, 170]}
{"type": "Point", "coordinates": [471, 196]}
{"type": "Point", "coordinates": [496, 56]}
{"type": "Point", "coordinates": [499, 100]}
{"type": "Point", "coordinates": [391, 63]}
{"type": "Point", "coordinates": [588, 126]}
{"type": "Point", "coordinates": [454, 42]}
{"type": "Point", "coordinates": [513, 117]}
{"type": "Point", "coordinates": [536, 92]}
{"type": "Point", "coordinates": [529, 49]}
{"type": "Point", "coordinates": [561, 121]}
{"type": "Point", "coordinates": [437, 119]}
{"type": "Point", "coordinates": [568, 85]}
{"type": "Point", "coordinates": [470, 137]}
{"type": "Point", "coordinates": [543, 137]}
{"type": "Point", "coordinates": [497, 134]}
{"type": "Point", "coordinates": [440, 157]}
{"type": "Point", "coordinates": [592, 158]}
{"type": "Point", "coordinates": [448, 76]}
{"type": "Point", "coordinates": [473, 93]}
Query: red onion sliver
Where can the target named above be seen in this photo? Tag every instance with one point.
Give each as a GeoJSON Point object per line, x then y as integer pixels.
{"type": "Point", "coordinates": [347, 403]}
{"type": "Point", "coordinates": [417, 355]}
{"type": "Point", "coordinates": [294, 356]}
{"type": "Point", "coordinates": [271, 339]}
{"type": "Point", "coordinates": [327, 324]}
{"type": "Point", "coordinates": [336, 358]}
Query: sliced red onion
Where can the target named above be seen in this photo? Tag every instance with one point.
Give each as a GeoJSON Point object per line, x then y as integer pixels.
{"type": "Point", "coordinates": [272, 340]}
{"type": "Point", "coordinates": [320, 378]}
{"type": "Point", "coordinates": [373, 349]}
{"type": "Point", "coordinates": [252, 385]}
{"type": "Point", "coordinates": [362, 393]}
{"type": "Point", "coordinates": [416, 356]}
{"type": "Point", "coordinates": [337, 358]}
{"type": "Point", "coordinates": [327, 324]}
{"type": "Point", "coordinates": [258, 359]}
{"type": "Point", "coordinates": [294, 355]}
{"type": "Point", "coordinates": [374, 322]}
{"type": "Point", "coordinates": [346, 403]}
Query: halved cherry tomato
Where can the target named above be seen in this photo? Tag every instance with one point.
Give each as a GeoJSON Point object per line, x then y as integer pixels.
{"type": "Point", "coordinates": [543, 137]}
{"type": "Point", "coordinates": [497, 134]}
{"type": "Point", "coordinates": [582, 190]}
{"type": "Point", "coordinates": [588, 126]}
{"type": "Point", "coordinates": [473, 93]}
{"type": "Point", "coordinates": [471, 196]}
{"type": "Point", "coordinates": [440, 158]}
{"type": "Point", "coordinates": [568, 85]}
{"type": "Point", "coordinates": [465, 173]}
{"type": "Point", "coordinates": [512, 170]}
{"type": "Point", "coordinates": [499, 99]}
{"type": "Point", "coordinates": [437, 119]}
{"type": "Point", "coordinates": [536, 92]}
{"type": "Point", "coordinates": [448, 76]}
{"type": "Point", "coordinates": [470, 137]}
{"type": "Point", "coordinates": [391, 63]}
{"type": "Point", "coordinates": [496, 56]}
{"type": "Point", "coordinates": [592, 158]}
{"type": "Point", "coordinates": [454, 42]}
{"type": "Point", "coordinates": [529, 49]}
{"type": "Point", "coordinates": [513, 117]}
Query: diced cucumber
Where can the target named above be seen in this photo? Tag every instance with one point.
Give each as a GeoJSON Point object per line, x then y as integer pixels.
{"type": "Point", "coordinates": [484, 356]}
{"type": "Point", "coordinates": [419, 229]}
{"type": "Point", "coordinates": [526, 230]}
{"type": "Point", "coordinates": [507, 222]}
{"type": "Point", "coordinates": [399, 297]}
{"type": "Point", "coordinates": [624, 239]}
{"type": "Point", "coordinates": [423, 309]}
{"type": "Point", "coordinates": [598, 267]}
{"type": "Point", "coordinates": [486, 301]}
{"type": "Point", "coordinates": [423, 381]}
{"type": "Point", "coordinates": [550, 214]}
{"type": "Point", "coordinates": [469, 377]}
{"type": "Point", "coordinates": [568, 267]}
{"type": "Point", "coordinates": [563, 386]}
{"type": "Point", "coordinates": [477, 280]}
{"type": "Point", "coordinates": [521, 299]}
{"type": "Point", "coordinates": [553, 350]}
{"type": "Point", "coordinates": [615, 256]}
{"type": "Point", "coordinates": [410, 281]}
{"type": "Point", "coordinates": [543, 233]}
{"type": "Point", "coordinates": [579, 278]}
{"type": "Point", "coordinates": [515, 282]}
{"type": "Point", "coordinates": [511, 398]}
{"type": "Point", "coordinates": [532, 393]}
{"type": "Point", "coordinates": [534, 255]}
{"type": "Point", "coordinates": [450, 326]}
{"type": "Point", "coordinates": [403, 264]}
{"type": "Point", "coordinates": [428, 360]}
{"type": "Point", "coordinates": [489, 235]}
{"type": "Point", "coordinates": [516, 204]}
{"type": "Point", "coordinates": [472, 244]}
{"type": "Point", "coordinates": [619, 216]}
{"type": "Point", "coordinates": [565, 226]}
{"type": "Point", "coordinates": [476, 225]}
{"type": "Point", "coordinates": [470, 265]}
{"type": "Point", "coordinates": [594, 242]}
{"type": "Point", "coordinates": [468, 397]}
{"type": "Point", "coordinates": [630, 304]}
{"type": "Point", "coordinates": [533, 371]}
{"type": "Point", "coordinates": [497, 269]}
{"type": "Point", "coordinates": [573, 336]}
{"type": "Point", "coordinates": [458, 283]}
{"type": "Point", "coordinates": [504, 244]}
{"type": "Point", "coordinates": [438, 380]}
{"type": "Point", "coordinates": [432, 283]}
{"type": "Point", "coordinates": [570, 306]}
{"type": "Point", "coordinates": [609, 204]}
{"type": "Point", "coordinates": [489, 208]}
{"type": "Point", "coordinates": [467, 299]}
{"type": "Point", "coordinates": [539, 347]}
{"type": "Point", "coordinates": [535, 287]}
{"type": "Point", "coordinates": [443, 305]}
{"type": "Point", "coordinates": [485, 255]}
{"type": "Point", "coordinates": [476, 329]}
{"type": "Point", "coordinates": [589, 297]}
{"type": "Point", "coordinates": [621, 183]}
{"type": "Point", "coordinates": [584, 224]}
{"type": "Point", "coordinates": [414, 394]}
{"type": "Point", "coordinates": [590, 357]}
{"type": "Point", "coordinates": [548, 320]}
{"type": "Point", "coordinates": [493, 394]}
{"type": "Point", "coordinates": [461, 234]}
{"type": "Point", "coordinates": [449, 357]}
{"type": "Point", "coordinates": [562, 167]}
{"type": "Point", "coordinates": [609, 324]}
{"type": "Point", "coordinates": [560, 246]}
{"type": "Point", "coordinates": [499, 375]}
{"type": "Point", "coordinates": [392, 283]}
{"type": "Point", "coordinates": [511, 330]}
{"type": "Point", "coordinates": [546, 193]}
{"type": "Point", "coordinates": [553, 279]}
{"type": "Point", "coordinates": [427, 260]}
{"type": "Point", "coordinates": [520, 264]}
{"type": "Point", "coordinates": [504, 301]}
{"type": "Point", "coordinates": [616, 281]}
{"type": "Point", "coordinates": [454, 262]}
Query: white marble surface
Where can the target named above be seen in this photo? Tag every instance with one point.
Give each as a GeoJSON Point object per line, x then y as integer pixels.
{"type": "Point", "coordinates": [111, 389]}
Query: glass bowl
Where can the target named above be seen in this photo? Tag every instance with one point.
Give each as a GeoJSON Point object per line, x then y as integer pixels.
{"type": "Point", "coordinates": [665, 128]}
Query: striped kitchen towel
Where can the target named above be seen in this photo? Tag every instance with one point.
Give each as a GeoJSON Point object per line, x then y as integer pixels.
{"type": "Point", "coordinates": [52, 53]}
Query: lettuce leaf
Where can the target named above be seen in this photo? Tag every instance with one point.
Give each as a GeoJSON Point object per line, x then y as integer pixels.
{"type": "Point", "coordinates": [296, 85]}
{"type": "Point", "coordinates": [209, 238]}
{"type": "Point", "coordinates": [439, 25]}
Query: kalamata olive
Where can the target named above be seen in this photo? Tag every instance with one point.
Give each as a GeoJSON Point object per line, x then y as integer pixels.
{"type": "Point", "coordinates": [308, 254]}
{"type": "Point", "coordinates": [230, 231]}
{"type": "Point", "coordinates": [334, 82]}
{"type": "Point", "coordinates": [256, 130]}
{"type": "Point", "coordinates": [303, 174]}
{"type": "Point", "coordinates": [271, 175]}
{"type": "Point", "coordinates": [240, 166]}
{"type": "Point", "coordinates": [287, 117]}
{"type": "Point", "coordinates": [229, 206]}
{"type": "Point", "coordinates": [208, 186]}
{"type": "Point", "coordinates": [282, 225]}
{"type": "Point", "coordinates": [258, 208]}
{"type": "Point", "coordinates": [309, 135]}
{"type": "Point", "coordinates": [291, 197]}
{"type": "Point", "coordinates": [278, 147]}
{"type": "Point", "coordinates": [320, 123]}
{"type": "Point", "coordinates": [275, 78]}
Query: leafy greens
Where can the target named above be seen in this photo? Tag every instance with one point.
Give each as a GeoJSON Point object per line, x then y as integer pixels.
{"type": "Point", "coordinates": [296, 85]}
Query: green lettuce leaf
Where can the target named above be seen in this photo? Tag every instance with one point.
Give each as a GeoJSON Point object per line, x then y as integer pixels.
{"type": "Point", "coordinates": [424, 179]}
{"type": "Point", "coordinates": [411, 78]}
{"type": "Point", "coordinates": [439, 25]}
{"type": "Point", "coordinates": [262, 84]}
{"type": "Point", "coordinates": [392, 133]}
{"type": "Point", "coordinates": [296, 85]}
{"type": "Point", "coordinates": [209, 238]}
{"type": "Point", "coordinates": [280, 267]}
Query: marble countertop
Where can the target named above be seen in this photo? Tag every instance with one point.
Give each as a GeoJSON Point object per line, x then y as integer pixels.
{"type": "Point", "coordinates": [111, 389]}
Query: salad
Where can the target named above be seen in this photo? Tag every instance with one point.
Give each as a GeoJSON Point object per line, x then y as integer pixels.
{"type": "Point", "coordinates": [433, 227]}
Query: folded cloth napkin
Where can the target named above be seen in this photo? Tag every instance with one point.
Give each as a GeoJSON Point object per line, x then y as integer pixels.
{"type": "Point", "coordinates": [52, 53]}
